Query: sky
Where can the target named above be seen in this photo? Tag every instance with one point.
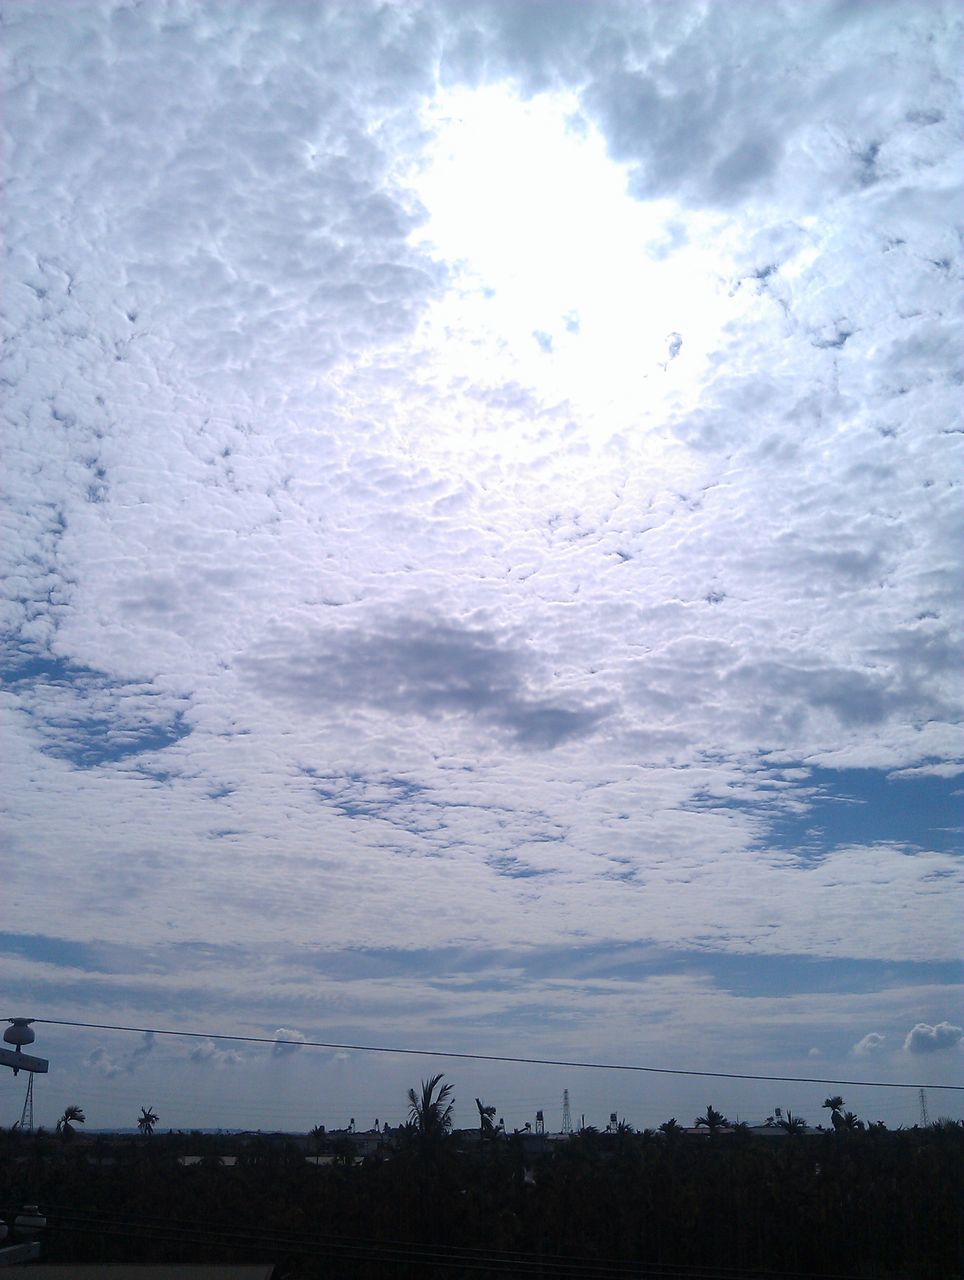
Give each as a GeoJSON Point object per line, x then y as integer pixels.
{"type": "Point", "coordinates": [481, 555]}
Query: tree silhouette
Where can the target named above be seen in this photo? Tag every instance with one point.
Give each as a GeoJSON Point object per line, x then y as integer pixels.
{"type": "Point", "coordinates": [146, 1121]}
{"type": "Point", "coordinates": [73, 1114]}
{"type": "Point", "coordinates": [793, 1124]}
{"type": "Point", "coordinates": [880, 1203]}
{"type": "Point", "coordinates": [713, 1120]}
{"type": "Point", "coordinates": [670, 1127]}
{"type": "Point", "coordinates": [430, 1113]}
{"type": "Point", "coordinates": [486, 1120]}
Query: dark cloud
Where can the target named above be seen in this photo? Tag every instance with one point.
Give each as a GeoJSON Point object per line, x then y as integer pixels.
{"type": "Point", "coordinates": [855, 697]}
{"type": "Point", "coordinates": [416, 667]}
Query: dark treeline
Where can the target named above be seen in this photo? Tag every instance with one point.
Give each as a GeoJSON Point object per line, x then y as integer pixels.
{"type": "Point", "coordinates": [874, 1203]}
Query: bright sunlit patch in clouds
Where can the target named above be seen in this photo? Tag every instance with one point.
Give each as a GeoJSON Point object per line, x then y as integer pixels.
{"type": "Point", "coordinates": [562, 280]}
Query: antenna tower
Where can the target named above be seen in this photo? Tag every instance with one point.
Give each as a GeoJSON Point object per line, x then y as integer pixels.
{"type": "Point", "coordinates": [566, 1113]}
{"type": "Point", "coordinates": [924, 1118]}
{"type": "Point", "coordinates": [26, 1115]}
{"type": "Point", "coordinates": [18, 1034]}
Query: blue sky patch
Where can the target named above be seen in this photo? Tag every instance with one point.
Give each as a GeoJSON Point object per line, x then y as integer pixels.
{"type": "Point", "coordinates": [868, 806]}
{"type": "Point", "coordinates": [89, 719]}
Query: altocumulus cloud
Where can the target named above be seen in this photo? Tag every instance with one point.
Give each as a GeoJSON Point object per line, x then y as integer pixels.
{"type": "Point", "coordinates": [390, 628]}
{"type": "Point", "coordinates": [927, 1039]}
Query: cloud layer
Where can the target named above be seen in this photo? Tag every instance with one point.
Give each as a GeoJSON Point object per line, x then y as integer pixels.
{"type": "Point", "coordinates": [389, 571]}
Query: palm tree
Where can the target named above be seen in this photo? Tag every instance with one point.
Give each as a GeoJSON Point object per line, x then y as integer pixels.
{"type": "Point", "coordinates": [146, 1121]}
{"type": "Point", "coordinates": [835, 1106]}
{"type": "Point", "coordinates": [849, 1122]}
{"type": "Point", "coordinates": [72, 1115]}
{"type": "Point", "coordinates": [672, 1131]}
{"type": "Point", "coordinates": [713, 1120]}
{"type": "Point", "coordinates": [430, 1113]}
{"type": "Point", "coordinates": [486, 1117]}
{"type": "Point", "coordinates": [793, 1124]}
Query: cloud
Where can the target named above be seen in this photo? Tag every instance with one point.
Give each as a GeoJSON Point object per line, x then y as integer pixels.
{"type": "Point", "coordinates": [927, 1039]}
{"type": "Point", "coordinates": [359, 576]}
{"type": "Point", "coordinates": [207, 1053]}
{"type": "Point", "coordinates": [287, 1042]}
{"type": "Point", "coordinates": [871, 1043]}
{"type": "Point", "coordinates": [144, 1049]}
{"type": "Point", "coordinates": [245, 211]}
{"type": "Point", "coordinates": [100, 1060]}
{"type": "Point", "coordinates": [422, 667]}
{"type": "Point", "coordinates": [669, 90]}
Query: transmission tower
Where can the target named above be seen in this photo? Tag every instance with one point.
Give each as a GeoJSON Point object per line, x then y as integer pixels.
{"type": "Point", "coordinates": [924, 1118]}
{"type": "Point", "coordinates": [19, 1033]}
{"type": "Point", "coordinates": [26, 1115]}
{"type": "Point", "coordinates": [566, 1113]}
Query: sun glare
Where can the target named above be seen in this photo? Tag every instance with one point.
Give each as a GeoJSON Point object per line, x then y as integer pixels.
{"type": "Point", "coordinates": [560, 279]}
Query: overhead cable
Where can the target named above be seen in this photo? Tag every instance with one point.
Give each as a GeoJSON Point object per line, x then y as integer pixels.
{"type": "Point", "coordinates": [494, 1057]}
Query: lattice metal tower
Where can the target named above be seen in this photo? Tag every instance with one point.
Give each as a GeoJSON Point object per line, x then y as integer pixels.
{"type": "Point", "coordinates": [566, 1113]}
{"type": "Point", "coordinates": [26, 1115]}
{"type": "Point", "coordinates": [924, 1118]}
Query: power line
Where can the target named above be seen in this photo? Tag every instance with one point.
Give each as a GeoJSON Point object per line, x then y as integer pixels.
{"type": "Point", "coordinates": [494, 1057]}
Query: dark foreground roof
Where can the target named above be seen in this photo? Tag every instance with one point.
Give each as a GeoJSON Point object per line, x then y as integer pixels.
{"type": "Point", "coordinates": [134, 1271]}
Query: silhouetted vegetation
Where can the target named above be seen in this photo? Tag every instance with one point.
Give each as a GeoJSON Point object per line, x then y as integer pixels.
{"type": "Point", "coordinates": [147, 1121]}
{"type": "Point", "coordinates": [871, 1203]}
{"type": "Point", "coordinates": [73, 1114]}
